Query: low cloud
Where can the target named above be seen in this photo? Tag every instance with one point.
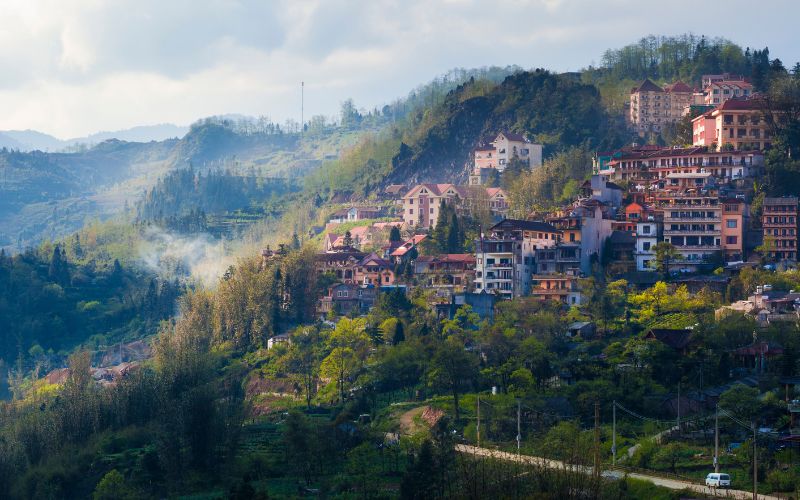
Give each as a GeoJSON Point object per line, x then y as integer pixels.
{"type": "Point", "coordinates": [200, 258]}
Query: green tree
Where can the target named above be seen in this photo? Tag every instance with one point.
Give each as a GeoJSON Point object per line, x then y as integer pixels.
{"type": "Point", "coordinates": [113, 486]}
{"type": "Point", "coordinates": [452, 368]}
{"type": "Point", "coordinates": [666, 253]}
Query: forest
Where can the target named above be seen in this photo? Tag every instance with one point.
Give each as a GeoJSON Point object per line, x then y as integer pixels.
{"type": "Point", "coordinates": [250, 393]}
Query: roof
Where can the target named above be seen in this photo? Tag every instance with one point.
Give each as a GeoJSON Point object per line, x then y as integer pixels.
{"type": "Point", "coordinates": [511, 136]}
{"type": "Point", "coordinates": [525, 225]}
{"type": "Point", "coordinates": [633, 206]}
{"type": "Point", "coordinates": [784, 200]}
{"type": "Point", "coordinates": [449, 257]}
{"type": "Point", "coordinates": [678, 86]}
{"type": "Point", "coordinates": [494, 191]}
{"type": "Point", "coordinates": [647, 86]}
{"type": "Point", "coordinates": [395, 188]}
{"type": "Point", "coordinates": [760, 348]}
{"type": "Point", "coordinates": [622, 238]}
{"type": "Point", "coordinates": [740, 104]}
{"type": "Point", "coordinates": [676, 339]}
{"type": "Point", "coordinates": [373, 257]}
{"type": "Point", "coordinates": [437, 189]}
{"type": "Point", "coordinates": [579, 325]}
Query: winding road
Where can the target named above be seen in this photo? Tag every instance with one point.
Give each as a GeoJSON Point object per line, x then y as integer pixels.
{"type": "Point", "coordinates": [672, 484]}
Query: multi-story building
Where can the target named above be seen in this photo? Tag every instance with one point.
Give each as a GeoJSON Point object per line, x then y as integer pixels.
{"type": "Point", "coordinates": [421, 204]}
{"type": "Point", "coordinates": [340, 263]}
{"type": "Point", "coordinates": [737, 124]}
{"type": "Point", "coordinates": [447, 274]}
{"type": "Point", "coordinates": [373, 270]}
{"type": "Point", "coordinates": [692, 223]}
{"type": "Point", "coordinates": [563, 287]}
{"type": "Point", "coordinates": [653, 107]}
{"type": "Point", "coordinates": [648, 234]}
{"type": "Point", "coordinates": [735, 216]}
{"type": "Point", "coordinates": [644, 166]}
{"type": "Point", "coordinates": [718, 92]}
{"type": "Point", "coordinates": [707, 80]}
{"type": "Point", "coordinates": [779, 220]}
{"type": "Point", "coordinates": [505, 259]}
{"type": "Point", "coordinates": [505, 147]}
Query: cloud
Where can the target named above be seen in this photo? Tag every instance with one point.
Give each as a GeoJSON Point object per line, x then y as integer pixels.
{"type": "Point", "coordinates": [169, 255]}
{"type": "Point", "coordinates": [72, 67]}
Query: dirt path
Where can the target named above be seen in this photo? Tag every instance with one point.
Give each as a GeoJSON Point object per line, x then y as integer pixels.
{"type": "Point", "coordinates": [658, 481]}
{"type": "Point", "coordinates": [407, 424]}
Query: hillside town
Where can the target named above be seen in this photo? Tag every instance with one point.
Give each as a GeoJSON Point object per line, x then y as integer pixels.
{"type": "Point", "coordinates": [646, 212]}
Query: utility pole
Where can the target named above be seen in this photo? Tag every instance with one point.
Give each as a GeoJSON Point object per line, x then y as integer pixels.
{"type": "Point", "coordinates": [478, 425]}
{"type": "Point", "coordinates": [302, 105]}
{"type": "Point", "coordinates": [716, 439]}
{"type": "Point", "coordinates": [519, 425]}
{"type": "Point", "coordinates": [755, 463]}
{"type": "Point", "coordinates": [614, 433]}
{"type": "Point", "coordinates": [679, 408]}
{"type": "Point", "coordinates": [596, 469]}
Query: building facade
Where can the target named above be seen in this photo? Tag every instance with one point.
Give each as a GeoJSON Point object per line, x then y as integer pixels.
{"type": "Point", "coordinates": [734, 228]}
{"type": "Point", "coordinates": [653, 107]}
{"type": "Point", "coordinates": [505, 258]}
{"type": "Point", "coordinates": [421, 204]}
{"type": "Point", "coordinates": [692, 223]}
{"type": "Point", "coordinates": [779, 222]}
{"type": "Point", "coordinates": [648, 234]}
{"type": "Point", "coordinates": [737, 124]}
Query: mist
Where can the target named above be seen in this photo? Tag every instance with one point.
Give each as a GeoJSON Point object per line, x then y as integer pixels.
{"type": "Point", "coordinates": [201, 258]}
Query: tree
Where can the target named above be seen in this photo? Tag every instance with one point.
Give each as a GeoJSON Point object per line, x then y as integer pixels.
{"type": "Point", "coordinates": [113, 486]}
{"type": "Point", "coordinates": [399, 333]}
{"type": "Point", "coordinates": [452, 368]}
{"type": "Point", "coordinates": [665, 254]}
{"type": "Point", "coordinates": [394, 235]}
{"type": "Point", "coordinates": [341, 364]}
{"type": "Point", "coordinates": [742, 401]}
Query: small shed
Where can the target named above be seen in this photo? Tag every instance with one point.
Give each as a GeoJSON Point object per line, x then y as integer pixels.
{"type": "Point", "coordinates": [585, 329]}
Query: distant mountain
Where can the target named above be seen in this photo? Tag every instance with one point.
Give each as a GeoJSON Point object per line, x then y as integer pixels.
{"type": "Point", "coordinates": [8, 142]}
{"type": "Point", "coordinates": [32, 140]}
{"type": "Point", "coordinates": [143, 133]}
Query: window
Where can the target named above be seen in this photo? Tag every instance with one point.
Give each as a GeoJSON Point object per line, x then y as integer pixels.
{"type": "Point", "coordinates": [411, 201]}
{"type": "Point", "coordinates": [411, 211]}
{"type": "Point", "coordinates": [646, 246]}
{"type": "Point", "coordinates": [645, 229]}
{"type": "Point", "coordinates": [431, 209]}
{"type": "Point", "coordinates": [731, 240]}
{"type": "Point", "coordinates": [731, 223]}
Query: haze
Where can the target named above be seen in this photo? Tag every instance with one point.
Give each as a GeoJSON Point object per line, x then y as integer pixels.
{"type": "Point", "coordinates": [72, 68]}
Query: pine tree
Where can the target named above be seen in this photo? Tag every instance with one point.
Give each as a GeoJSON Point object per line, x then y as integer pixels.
{"type": "Point", "coordinates": [394, 235]}
{"type": "Point", "coordinates": [399, 333]}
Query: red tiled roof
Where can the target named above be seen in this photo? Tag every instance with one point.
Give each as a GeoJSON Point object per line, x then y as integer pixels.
{"type": "Point", "coordinates": [511, 136]}
{"type": "Point", "coordinates": [678, 86]}
{"type": "Point", "coordinates": [740, 104]}
{"type": "Point", "coordinates": [647, 86]}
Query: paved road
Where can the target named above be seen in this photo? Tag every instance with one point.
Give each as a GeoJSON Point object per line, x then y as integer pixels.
{"type": "Point", "coordinates": [673, 484]}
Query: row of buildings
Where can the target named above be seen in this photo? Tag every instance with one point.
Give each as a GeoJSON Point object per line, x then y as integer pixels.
{"type": "Point", "coordinates": [652, 107]}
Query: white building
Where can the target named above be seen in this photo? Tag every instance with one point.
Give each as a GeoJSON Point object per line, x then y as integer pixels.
{"type": "Point", "coordinates": [647, 235]}
{"type": "Point", "coordinates": [506, 258]}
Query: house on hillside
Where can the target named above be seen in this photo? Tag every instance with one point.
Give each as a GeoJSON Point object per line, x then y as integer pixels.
{"type": "Point", "coordinates": [346, 299]}
{"type": "Point", "coordinates": [677, 339]}
{"type": "Point", "coordinates": [496, 155]}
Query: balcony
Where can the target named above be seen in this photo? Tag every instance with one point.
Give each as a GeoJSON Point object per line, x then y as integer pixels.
{"type": "Point", "coordinates": [716, 219]}
{"type": "Point", "coordinates": [690, 248]}
{"type": "Point", "coordinates": [678, 232]}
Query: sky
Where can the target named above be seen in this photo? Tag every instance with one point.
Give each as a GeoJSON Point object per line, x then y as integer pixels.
{"type": "Point", "coordinates": [75, 67]}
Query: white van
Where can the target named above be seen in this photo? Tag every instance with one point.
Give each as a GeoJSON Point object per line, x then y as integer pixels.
{"type": "Point", "coordinates": [718, 480]}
